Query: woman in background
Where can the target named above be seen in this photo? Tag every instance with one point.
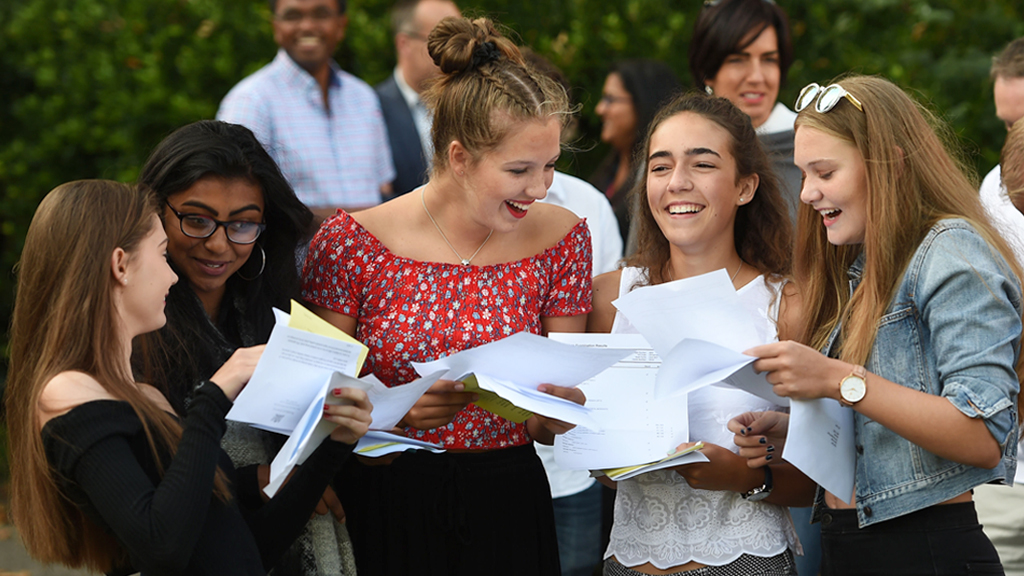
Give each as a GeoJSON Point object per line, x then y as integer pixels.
{"type": "Point", "coordinates": [633, 91]}
{"type": "Point", "coordinates": [741, 50]}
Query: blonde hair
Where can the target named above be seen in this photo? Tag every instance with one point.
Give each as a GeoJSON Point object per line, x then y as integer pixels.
{"type": "Point", "coordinates": [913, 181]}
{"type": "Point", "coordinates": [485, 88]}
{"type": "Point", "coordinates": [1011, 165]}
{"type": "Point", "coordinates": [65, 319]}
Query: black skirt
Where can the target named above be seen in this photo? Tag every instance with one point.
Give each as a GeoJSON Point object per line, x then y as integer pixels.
{"type": "Point", "coordinates": [452, 514]}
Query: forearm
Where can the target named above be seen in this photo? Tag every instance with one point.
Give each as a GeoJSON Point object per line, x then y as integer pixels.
{"type": "Point", "coordinates": [791, 486]}
{"type": "Point", "coordinates": [538, 432]}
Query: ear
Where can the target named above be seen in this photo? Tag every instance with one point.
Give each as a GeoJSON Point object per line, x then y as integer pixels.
{"type": "Point", "coordinates": [748, 187]}
{"type": "Point", "coordinates": [458, 158]}
{"type": "Point", "coordinates": [342, 26]}
{"type": "Point", "coordinates": [119, 266]}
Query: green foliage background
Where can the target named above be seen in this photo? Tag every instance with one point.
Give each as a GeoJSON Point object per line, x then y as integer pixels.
{"type": "Point", "coordinates": [88, 87]}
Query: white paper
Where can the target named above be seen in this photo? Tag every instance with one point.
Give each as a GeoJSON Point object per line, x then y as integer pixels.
{"type": "Point", "coordinates": [376, 444]}
{"type": "Point", "coordinates": [820, 444]}
{"type": "Point", "coordinates": [704, 307]}
{"type": "Point", "coordinates": [390, 404]}
{"type": "Point", "coordinates": [538, 402]}
{"type": "Point", "coordinates": [681, 460]}
{"type": "Point", "coordinates": [311, 430]}
{"type": "Point", "coordinates": [637, 428]}
{"type": "Point", "coordinates": [290, 373]}
{"type": "Point", "coordinates": [527, 360]}
{"type": "Point", "coordinates": [693, 364]}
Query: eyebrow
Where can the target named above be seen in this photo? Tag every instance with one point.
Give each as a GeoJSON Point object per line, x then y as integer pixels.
{"type": "Point", "coordinates": [198, 204]}
{"type": "Point", "coordinates": [689, 152]}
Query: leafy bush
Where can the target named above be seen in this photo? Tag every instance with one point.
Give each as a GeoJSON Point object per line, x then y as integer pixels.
{"type": "Point", "coordinates": [90, 86]}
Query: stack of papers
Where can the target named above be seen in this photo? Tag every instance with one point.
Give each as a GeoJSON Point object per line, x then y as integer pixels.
{"type": "Point", "coordinates": [305, 359]}
{"type": "Point", "coordinates": [376, 444]}
{"type": "Point", "coordinates": [506, 374]}
{"type": "Point", "coordinates": [687, 456]}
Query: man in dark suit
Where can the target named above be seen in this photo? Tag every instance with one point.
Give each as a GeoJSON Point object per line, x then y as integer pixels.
{"type": "Point", "coordinates": [407, 119]}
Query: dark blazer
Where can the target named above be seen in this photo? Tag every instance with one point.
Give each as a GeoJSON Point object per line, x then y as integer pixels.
{"type": "Point", "coordinates": [406, 150]}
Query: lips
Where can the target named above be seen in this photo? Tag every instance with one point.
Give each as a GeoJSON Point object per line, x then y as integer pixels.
{"type": "Point", "coordinates": [829, 215]}
{"type": "Point", "coordinates": [212, 267]}
{"type": "Point", "coordinates": [517, 209]}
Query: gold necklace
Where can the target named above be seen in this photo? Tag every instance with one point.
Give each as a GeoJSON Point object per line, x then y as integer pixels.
{"type": "Point", "coordinates": [465, 261]}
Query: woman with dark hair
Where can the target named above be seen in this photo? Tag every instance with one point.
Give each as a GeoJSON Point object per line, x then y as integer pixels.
{"type": "Point", "coordinates": [109, 477]}
{"type": "Point", "coordinates": [632, 93]}
{"type": "Point", "coordinates": [207, 176]}
{"type": "Point", "coordinates": [741, 50]}
{"type": "Point", "coordinates": [708, 200]}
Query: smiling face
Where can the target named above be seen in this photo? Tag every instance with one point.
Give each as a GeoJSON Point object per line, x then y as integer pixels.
{"type": "Point", "coordinates": [503, 183]}
{"type": "Point", "coordinates": [309, 31]}
{"type": "Point", "coordinates": [835, 184]}
{"type": "Point", "coordinates": [750, 78]}
{"type": "Point", "coordinates": [618, 115]}
{"type": "Point", "coordinates": [146, 280]}
{"type": "Point", "coordinates": [207, 263]}
{"type": "Point", "coordinates": [692, 185]}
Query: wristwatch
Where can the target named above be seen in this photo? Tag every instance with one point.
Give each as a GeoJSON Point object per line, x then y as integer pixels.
{"type": "Point", "coordinates": [763, 491]}
{"type": "Point", "coordinates": [853, 388]}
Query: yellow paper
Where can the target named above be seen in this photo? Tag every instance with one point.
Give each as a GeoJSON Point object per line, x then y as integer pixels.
{"type": "Point", "coordinates": [614, 473]}
{"type": "Point", "coordinates": [375, 447]}
{"type": "Point", "coordinates": [496, 404]}
{"type": "Point", "coordinates": [303, 319]}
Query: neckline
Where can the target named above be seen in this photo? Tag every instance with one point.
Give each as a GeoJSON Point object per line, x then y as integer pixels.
{"type": "Point", "coordinates": [457, 266]}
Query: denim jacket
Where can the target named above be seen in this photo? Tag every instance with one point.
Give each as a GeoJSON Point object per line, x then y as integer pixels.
{"type": "Point", "coordinates": [953, 329]}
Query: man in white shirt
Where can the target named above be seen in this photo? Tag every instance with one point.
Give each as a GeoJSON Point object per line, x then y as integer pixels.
{"type": "Point", "coordinates": [1001, 509]}
{"type": "Point", "coordinates": [404, 113]}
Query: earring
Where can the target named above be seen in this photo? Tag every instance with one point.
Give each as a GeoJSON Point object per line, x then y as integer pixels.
{"type": "Point", "coordinates": [709, 90]}
{"type": "Point", "coordinates": [263, 264]}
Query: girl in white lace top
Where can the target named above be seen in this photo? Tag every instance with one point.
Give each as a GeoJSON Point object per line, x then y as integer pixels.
{"type": "Point", "coordinates": [708, 200]}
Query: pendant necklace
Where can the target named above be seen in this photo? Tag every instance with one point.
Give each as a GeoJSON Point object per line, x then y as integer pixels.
{"type": "Point", "coordinates": [465, 261]}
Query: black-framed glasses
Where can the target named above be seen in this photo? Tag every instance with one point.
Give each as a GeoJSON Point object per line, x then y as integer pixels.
{"type": "Point", "coordinates": [202, 226]}
{"type": "Point", "coordinates": [826, 98]}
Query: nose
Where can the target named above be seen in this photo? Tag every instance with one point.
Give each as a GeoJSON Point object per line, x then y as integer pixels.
{"type": "Point", "coordinates": [809, 194]}
{"type": "Point", "coordinates": [601, 107]}
{"type": "Point", "coordinates": [218, 241]}
{"type": "Point", "coordinates": [539, 189]}
{"type": "Point", "coordinates": [756, 72]}
{"type": "Point", "coordinates": [680, 181]}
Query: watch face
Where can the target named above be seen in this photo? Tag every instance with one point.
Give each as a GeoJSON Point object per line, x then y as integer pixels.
{"type": "Point", "coordinates": [758, 496]}
{"type": "Point", "coordinates": [853, 389]}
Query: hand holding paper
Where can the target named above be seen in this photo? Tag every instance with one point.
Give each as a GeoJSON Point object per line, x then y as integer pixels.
{"type": "Point", "coordinates": [439, 405]}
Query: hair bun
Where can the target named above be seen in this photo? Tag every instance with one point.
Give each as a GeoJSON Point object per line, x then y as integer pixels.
{"type": "Point", "coordinates": [457, 45]}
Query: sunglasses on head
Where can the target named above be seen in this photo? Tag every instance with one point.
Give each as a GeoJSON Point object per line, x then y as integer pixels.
{"type": "Point", "coordinates": [825, 98]}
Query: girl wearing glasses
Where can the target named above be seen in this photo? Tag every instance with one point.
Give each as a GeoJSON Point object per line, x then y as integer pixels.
{"type": "Point", "coordinates": [912, 318]}
{"type": "Point", "coordinates": [233, 225]}
{"type": "Point", "coordinates": [110, 477]}
{"type": "Point", "coordinates": [741, 50]}
{"type": "Point", "coordinates": [708, 200]}
{"type": "Point", "coordinates": [632, 93]}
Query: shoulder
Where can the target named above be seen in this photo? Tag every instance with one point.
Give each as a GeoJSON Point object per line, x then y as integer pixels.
{"type": "Point", "coordinates": [953, 248]}
{"type": "Point", "coordinates": [66, 391]}
{"type": "Point", "coordinates": [388, 89]}
{"type": "Point", "coordinates": [553, 223]}
{"type": "Point", "coordinates": [355, 88]}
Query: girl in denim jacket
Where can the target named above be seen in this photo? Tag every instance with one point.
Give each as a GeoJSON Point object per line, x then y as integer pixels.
{"type": "Point", "coordinates": [914, 303]}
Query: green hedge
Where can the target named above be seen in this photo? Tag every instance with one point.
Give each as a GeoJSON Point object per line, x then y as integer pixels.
{"type": "Point", "coordinates": [90, 86]}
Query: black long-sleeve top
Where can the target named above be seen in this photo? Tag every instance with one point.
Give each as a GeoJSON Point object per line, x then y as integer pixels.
{"type": "Point", "coordinates": [174, 524]}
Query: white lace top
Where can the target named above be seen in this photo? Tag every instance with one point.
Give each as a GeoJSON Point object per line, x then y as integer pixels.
{"type": "Point", "coordinates": [659, 518]}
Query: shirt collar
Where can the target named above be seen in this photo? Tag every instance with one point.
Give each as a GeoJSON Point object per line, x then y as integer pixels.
{"type": "Point", "coordinates": [298, 76]}
{"type": "Point", "coordinates": [780, 120]}
{"type": "Point", "coordinates": [412, 99]}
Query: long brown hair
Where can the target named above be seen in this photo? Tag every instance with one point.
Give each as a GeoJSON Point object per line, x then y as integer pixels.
{"type": "Point", "coordinates": [762, 230]}
{"type": "Point", "coordinates": [485, 86]}
{"type": "Point", "coordinates": [914, 179]}
{"type": "Point", "coordinates": [65, 319]}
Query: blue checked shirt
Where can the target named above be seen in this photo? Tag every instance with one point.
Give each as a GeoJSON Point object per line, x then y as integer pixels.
{"type": "Point", "coordinates": [335, 157]}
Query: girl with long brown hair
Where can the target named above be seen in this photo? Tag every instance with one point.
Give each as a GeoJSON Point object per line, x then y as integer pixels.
{"type": "Point", "coordinates": [912, 318]}
{"type": "Point", "coordinates": [708, 200]}
{"type": "Point", "coordinates": [108, 477]}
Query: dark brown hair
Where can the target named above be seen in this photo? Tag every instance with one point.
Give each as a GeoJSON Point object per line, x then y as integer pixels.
{"type": "Point", "coordinates": [762, 229]}
{"type": "Point", "coordinates": [721, 29]}
{"type": "Point", "coordinates": [1010, 62]}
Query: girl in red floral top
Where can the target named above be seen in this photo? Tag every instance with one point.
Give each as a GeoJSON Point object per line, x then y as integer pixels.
{"type": "Point", "coordinates": [467, 259]}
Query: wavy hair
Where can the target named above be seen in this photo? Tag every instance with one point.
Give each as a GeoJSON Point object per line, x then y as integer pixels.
{"type": "Point", "coordinates": [762, 229]}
